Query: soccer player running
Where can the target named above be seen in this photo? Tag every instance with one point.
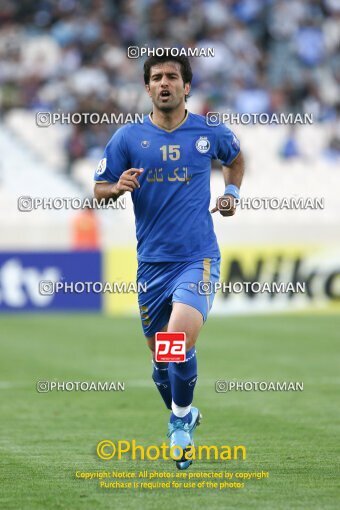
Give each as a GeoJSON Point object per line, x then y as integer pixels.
{"type": "Point", "coordinates": [165, 163]}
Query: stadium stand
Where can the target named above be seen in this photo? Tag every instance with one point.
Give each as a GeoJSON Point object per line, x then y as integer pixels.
{"type": "Point", "coordinates": [67, 56]}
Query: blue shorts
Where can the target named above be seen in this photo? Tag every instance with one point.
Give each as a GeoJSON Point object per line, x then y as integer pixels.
{"type": "Point", "coordinates": [175, 282]}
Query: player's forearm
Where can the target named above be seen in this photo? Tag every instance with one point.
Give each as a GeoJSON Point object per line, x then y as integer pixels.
{"type": "Point", "coordinates": [233, 174]}
{"type": "Point", "coordinates": [106, 191]}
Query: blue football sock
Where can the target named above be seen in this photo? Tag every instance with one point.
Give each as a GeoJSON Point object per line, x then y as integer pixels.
{"type": "Point", "coordinates": [183, 378]}
{"type": "Point", "coordinates": [161, 378]}
{"type": "Point", "coordinates": [185, 419]}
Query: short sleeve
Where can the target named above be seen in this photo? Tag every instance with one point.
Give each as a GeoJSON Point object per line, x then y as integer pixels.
{"type": "Point", "coordinates": [227, 145]}
{"type": "Point", "coordinates": [115, 159]}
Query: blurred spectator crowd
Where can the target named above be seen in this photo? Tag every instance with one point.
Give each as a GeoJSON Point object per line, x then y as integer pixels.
{"type": "Point", "coordinates": [71, 56]}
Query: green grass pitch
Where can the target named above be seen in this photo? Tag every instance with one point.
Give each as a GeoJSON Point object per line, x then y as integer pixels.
{"type": "Point", "coordinates": [45, 438]}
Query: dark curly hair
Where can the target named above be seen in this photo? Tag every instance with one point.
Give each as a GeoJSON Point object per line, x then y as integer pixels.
{"type": "Point", "coordinates": [186, 71]}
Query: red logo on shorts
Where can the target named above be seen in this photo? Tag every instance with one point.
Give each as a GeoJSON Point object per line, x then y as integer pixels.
{"type": "Point", "coordinates": [170, 347]}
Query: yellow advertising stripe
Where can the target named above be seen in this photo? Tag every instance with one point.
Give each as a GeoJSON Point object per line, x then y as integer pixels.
{"type": "Point", "coordinates": [120, 265]}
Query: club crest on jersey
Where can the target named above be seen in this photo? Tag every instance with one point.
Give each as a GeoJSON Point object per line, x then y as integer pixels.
{"type": "Point", "coordinates": [145, 144]}
{"type": "Point", "coordinates": [202, 144]}
{"type": "Point", "coordinates": [101, 166]}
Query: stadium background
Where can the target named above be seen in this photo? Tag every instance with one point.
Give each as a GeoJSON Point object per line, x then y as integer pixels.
{"type": "Point", "coordinates": [271, 56]}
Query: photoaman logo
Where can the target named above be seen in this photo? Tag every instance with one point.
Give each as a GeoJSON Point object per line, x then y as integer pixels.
{"type": "Point", "coordinates": [107, 450]}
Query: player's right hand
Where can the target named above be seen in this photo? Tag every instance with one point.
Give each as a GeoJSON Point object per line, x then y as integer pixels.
{"type": "Point", "coordinates": [128, 181]}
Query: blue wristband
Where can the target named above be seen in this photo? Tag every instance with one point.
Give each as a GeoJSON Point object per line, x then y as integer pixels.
{"type": "Point", "coordinates": [232, 190]}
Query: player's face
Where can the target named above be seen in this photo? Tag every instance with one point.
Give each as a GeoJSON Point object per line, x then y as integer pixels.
{"type": "Point", "coordinates": [166, 87]}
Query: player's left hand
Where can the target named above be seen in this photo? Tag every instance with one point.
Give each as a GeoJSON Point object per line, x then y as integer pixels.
{"type": "Point", "coordinates": [226, 205]}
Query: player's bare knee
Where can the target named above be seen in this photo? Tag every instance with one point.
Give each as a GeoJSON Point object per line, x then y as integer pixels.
{"type": "Point", "coordinates": [190, 342]}
{"type": "Point", "coordinates": [151, 343]}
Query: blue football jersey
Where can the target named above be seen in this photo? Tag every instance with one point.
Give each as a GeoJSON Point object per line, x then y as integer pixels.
{"type": "Point", "coordinates": [173, 221]}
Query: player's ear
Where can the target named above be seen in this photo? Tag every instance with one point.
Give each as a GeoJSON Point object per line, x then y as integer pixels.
{"type": "Point", "coordinates": [187, 88]}
{"type": "Point", "coordinates": [147, 88]}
